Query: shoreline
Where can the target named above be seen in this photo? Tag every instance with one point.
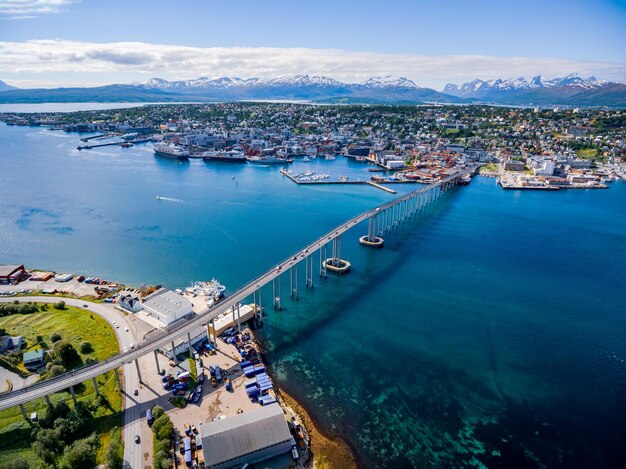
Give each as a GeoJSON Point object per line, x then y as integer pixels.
{"type": "Point", "coordinates": [326, 452]}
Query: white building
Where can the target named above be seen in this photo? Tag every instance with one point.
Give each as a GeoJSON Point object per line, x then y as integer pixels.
{"type": "Point", "coordinates": [167, 306]}
{"type": "Point", "coordinates": [249, 437]}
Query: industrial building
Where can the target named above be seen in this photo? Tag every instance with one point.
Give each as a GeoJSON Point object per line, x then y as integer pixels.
{"type": "Point", "coordinates": [167, 306]}
{"type": "Point", "coordinates": [249, 438]}
{"type": "Point", "coordinates": [11, 273]}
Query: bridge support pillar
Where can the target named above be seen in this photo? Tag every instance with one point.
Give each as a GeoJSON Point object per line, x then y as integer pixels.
{"type": "Point", "coordinates": [24, 413]}
{"type": "Point", "coordinates": [276, 293]}
{"type": "Point", "coordinates": [117, 378]}
{"type": "Point", "coordinates": [73, 395]}
{"type": "Point", "coordinates": [214, 334]}
{"type": "Point", "coordinates": [156, 361]}
{"type": "Point", "coordinates": [47, 398]}
{"type": "Point", "coordinates": [189, 345]}
{"type": "Point", "coordinates": [174, 354]}
{"type": "Point", "coordinates": [138, 370]}
{"type": "Point", "coordinates": [238, 318]}
{"type": "Point", "coordinates": [371, 239]}
{"type": "Point", "coordinates": [95, 385]}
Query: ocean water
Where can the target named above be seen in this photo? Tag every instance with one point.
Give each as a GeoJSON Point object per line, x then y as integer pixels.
{"type": "Point", "coordinates": [489, 331]}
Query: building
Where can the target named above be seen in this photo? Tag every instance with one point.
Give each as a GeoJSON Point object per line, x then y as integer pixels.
{"type": "Point", "coordinates": [9, 344]}
{"type": "Point", "coordinates": [513, 165]}
{"type": "Point", "coordinates": [129, 302]}
{"type": "Point", "coordinates": [250, 437]}
{"type": "Point", "coordinates": [11, 273]}
{"type": "Point", "coordinates": [35, 359]}
{"type": "Point", "coordinates": [167, 306]}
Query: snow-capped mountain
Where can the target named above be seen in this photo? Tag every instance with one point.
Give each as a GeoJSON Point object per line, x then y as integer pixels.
{"type": "Point", "coordinates": [304, 87]}
{"type": "Point", "coordinates": [389, 81]}
{"type": "Point", "coordinates": [5, 87]}
{"type": "Point", "coordinates": [571, 89]}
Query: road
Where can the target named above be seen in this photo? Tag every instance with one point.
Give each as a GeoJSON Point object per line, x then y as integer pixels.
{"type": "Point", "coordinates": [132, 408]}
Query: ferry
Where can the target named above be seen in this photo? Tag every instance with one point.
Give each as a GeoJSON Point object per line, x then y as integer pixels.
{"type": "Point", "coordinates": [213, 290]}
{"type": "Point", "coordinates": [271, 159]}
{"type": "Point", "coordinates": [227, 156]}
{"type": "Point", "coordinates": [171, 151]}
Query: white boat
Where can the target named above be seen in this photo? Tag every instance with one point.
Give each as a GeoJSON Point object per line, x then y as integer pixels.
{"type": "Point", "coordinates": [171, 151]}
{"type": "Point", "coordinates": [306, 158]}
{"type": "Point", "coordinates": [267, 160]}
{"type": "Point", "coordinates": [213, 290]}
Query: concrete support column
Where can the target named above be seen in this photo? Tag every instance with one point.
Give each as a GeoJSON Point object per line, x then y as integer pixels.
{"type": "Point", "coordinates": [117, 378]}
{"type": "Point", "coordinates": [238, 318]}
{"type": "Point", "coordinates": [138, 370]}
{"type": "Point", "coordinates": [156, 360]}
{"type": "Point", "coordinates": [214, 334]}
{"type": "Point", "coordinates": [24, 412]}
{"type": "Point", "coordinates": [73, 395]}
{"type": "Point", "coordinates": [95, 385]}
{"type": "Point", "coordinates": [189, 344]}
{"type": "Point", "coordinates": [174, 353]}
{"type": "Point", "coordinates": [47, 398]}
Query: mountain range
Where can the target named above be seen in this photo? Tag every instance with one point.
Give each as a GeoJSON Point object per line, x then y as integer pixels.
{"type": "Point", "coordinates": [571, 90]}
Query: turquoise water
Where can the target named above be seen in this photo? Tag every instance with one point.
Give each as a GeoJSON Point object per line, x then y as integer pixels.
{"type": "Point", "coordinates": [489, 331]}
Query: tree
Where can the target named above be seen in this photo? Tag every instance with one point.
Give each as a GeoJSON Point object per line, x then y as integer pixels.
{"type": "Point", "coordinates": [16, 463]}
{"type": "Point", "coordinates": [157, 411]}
{"type": "Point", "coordinates": [60, 305]}
{"type": "Point", "coordinates": [55, 337]}
{"type": "Point", "coordinates": [56, 370]}
{"type": "Point", "coordinates": [85, 347]}
{"type": "Point", "coordinates": [39, 339]}
{"type": "Point", "coordinates": [166, 463]}
{"type": "Point", "coordinates": [66, 352]}
{"type": "Point", "coordinates": [112, 457]}
{"type": "Point", "coordinates": [80, 455]}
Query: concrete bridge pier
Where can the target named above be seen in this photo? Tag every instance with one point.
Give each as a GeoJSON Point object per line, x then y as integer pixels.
{"type": "Point", "coordinates": [24, 413]}
{"type": "Point", "coordinates": [371, 239]}
{"type": "Point", "coordinates": [95, 385]}
{"type": "Point", "coordinates": [138, 370]}
{"type": "Point", "coordinates": [156, 360]}
{"type": "Point", "coordinates": [293, 281]}
{"type": "Point", "coordinates": [238, 317]}
{"type": "Point", "coordinates": [174, 354]}
{"type": "Point", "coordinates": [73, 395]}
{"type": "Point", "coordinates": [47, 398]}
{"type": "Point", "coordinates": [117, 378]}
{"type": "Point", "coordinates": [189, 345]}
{"type": "Point", "coordinates": [215, 333]}
{"type": "Point", "coordinates": [336, 263]}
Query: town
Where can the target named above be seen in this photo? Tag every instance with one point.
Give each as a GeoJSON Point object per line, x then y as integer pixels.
{"type": "Point", "coordinates": [525, 148]}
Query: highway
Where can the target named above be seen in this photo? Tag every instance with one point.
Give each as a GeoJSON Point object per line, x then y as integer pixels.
{"type": "Point", "coordinates": [163, 337]}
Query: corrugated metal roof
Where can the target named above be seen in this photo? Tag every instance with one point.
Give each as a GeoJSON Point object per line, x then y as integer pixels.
{"type": "Point", "coordinates": [241, 434]}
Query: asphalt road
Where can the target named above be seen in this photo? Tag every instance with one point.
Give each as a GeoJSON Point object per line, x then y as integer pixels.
{"type": "Point", "coordinates": [131, 416]}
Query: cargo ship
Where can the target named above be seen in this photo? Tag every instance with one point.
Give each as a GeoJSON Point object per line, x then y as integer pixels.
{"type": "Point", "coordinates": [171, 151]}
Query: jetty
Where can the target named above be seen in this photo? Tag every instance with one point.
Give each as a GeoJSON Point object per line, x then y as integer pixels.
{"type": "Point", "coordinates": [286, 173]}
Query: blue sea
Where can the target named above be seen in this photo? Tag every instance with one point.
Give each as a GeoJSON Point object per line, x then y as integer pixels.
{"type": "Point", "coordinates": [489, 331]}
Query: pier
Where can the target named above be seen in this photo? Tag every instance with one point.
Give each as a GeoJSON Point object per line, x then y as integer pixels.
{"type": "Point", "coordinates": [286, 173]}
{"type": "Point", "coordinates": [110, 144]}
{"type": "Point", "coordinates": [381, 220]}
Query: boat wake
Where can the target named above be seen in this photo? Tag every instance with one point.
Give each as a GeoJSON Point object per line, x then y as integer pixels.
{"type": "Point", "coordinates": [169, 199]}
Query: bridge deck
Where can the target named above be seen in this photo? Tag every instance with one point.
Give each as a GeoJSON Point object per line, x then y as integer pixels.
{"type": "Point", "coordinates": [164, 337]}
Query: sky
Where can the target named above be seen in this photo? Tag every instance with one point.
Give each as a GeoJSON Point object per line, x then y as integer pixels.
{"type": "Point", "coordinates": [49, 43]}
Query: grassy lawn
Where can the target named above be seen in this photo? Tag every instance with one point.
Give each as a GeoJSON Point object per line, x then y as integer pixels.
{"type": "Point", "coordinates": [75, 326]}
{"type": "Point", "coordinates": [490, 167]}
{"type": "Point", "coordinates": [587, 153]}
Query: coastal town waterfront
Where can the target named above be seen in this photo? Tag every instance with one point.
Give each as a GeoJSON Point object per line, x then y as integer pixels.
{"type": "Point", "coordinates": [514, 306]}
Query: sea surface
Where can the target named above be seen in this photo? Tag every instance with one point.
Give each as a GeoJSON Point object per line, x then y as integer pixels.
{"type": "Point", "coordinates": [489, 331]}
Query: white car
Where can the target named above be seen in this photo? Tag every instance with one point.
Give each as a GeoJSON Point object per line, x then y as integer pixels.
{"type": "Point", "coordinates": [117, 326]}
{"type": "Point", "coordinates": [132, 346]}
{"type": "Point", "coordinates": [126, 329]}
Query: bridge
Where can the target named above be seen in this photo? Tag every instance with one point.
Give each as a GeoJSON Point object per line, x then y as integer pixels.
{"type": "Point", "coordinates": [381, 220]}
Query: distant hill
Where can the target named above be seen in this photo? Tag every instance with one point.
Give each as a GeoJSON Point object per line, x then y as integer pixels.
{"type": "Point", "coordinates": [5, 87]}
{"type": "Point", "coordinates": [571, 90]}
{"type": "Point", "coordinates": [387, 89]}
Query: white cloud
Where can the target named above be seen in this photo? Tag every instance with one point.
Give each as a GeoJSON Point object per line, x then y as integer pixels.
{"type": "Point", "coordinates": [19, 9]}
{"type": "Point", "coordinates": [98, 63]}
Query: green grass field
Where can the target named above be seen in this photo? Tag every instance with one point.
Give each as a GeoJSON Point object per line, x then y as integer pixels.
{"type": "Point", "coordinates": [75, 325]}
{"type": "Point", "coordinates": [587, 153]}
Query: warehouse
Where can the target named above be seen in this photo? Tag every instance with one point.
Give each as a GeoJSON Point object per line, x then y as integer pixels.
{"type": "Point", "coordinates": [167, 306]}
{"type": "Point", "coordinates": [11, 273]}
{"type": "Point", "coordinates": [250, 437]}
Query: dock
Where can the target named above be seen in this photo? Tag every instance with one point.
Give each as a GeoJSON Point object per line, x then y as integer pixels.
{"type": "Point", "coordinates": [369, 183]}
{"type": "Point", "coordinates": [110, 144]}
